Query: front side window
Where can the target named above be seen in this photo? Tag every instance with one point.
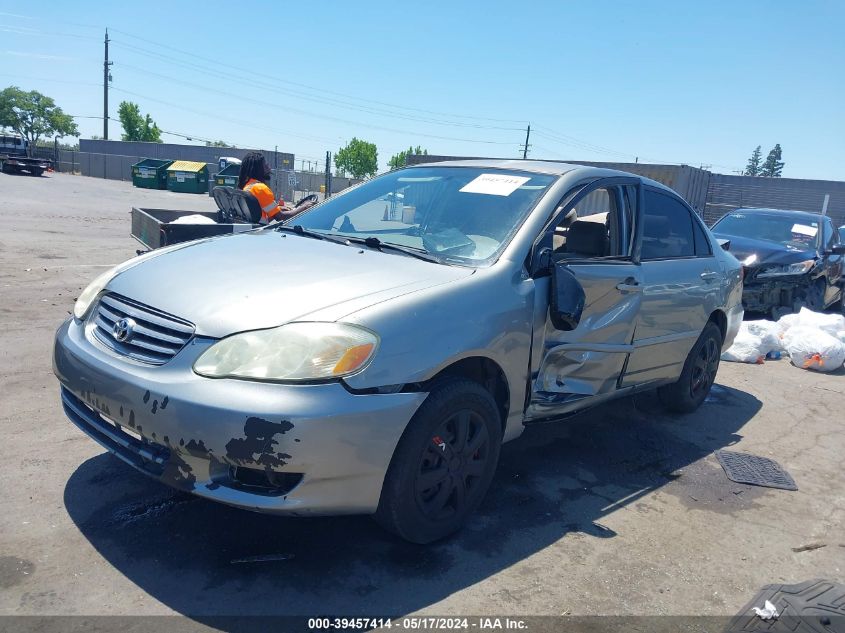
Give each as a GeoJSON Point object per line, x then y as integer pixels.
{"type": "Point", "coordinates": [667, 228]}
{"type": "Point", "coordinates": [461, 214]}
{"type": "Point", "coordinates": [595, 226]}
{"type": "Point", "coordinates": [828, 235]}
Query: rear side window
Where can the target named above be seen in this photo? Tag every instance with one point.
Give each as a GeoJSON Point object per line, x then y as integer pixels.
{"type": "Point", "coordinates": [702, 244]}
{"type": "Point", "coordinates": [667, 228]}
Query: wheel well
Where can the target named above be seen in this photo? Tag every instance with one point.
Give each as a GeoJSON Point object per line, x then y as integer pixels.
{"type": "Point", "coordinates": [486, 373]}
{"type": "Point", "coordinates": [718, 317]}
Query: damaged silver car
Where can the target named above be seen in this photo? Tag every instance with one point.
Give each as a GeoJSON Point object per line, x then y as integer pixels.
{"type": "Point", "coordinates": [372, 355]}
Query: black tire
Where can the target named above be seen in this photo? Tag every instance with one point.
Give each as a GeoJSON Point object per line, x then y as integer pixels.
{"type": "Point", "coordinates": [698, 375]}
{"type": "Point", "coordinates": [438, 477]}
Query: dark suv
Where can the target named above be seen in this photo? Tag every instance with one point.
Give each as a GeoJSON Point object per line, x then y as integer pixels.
{"type": "Point", "coordinates": [791, 259]}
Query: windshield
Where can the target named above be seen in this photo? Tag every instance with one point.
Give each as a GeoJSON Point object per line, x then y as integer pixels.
{"type": "Point", "coordinates": [791, 231]}
{"type": "Point", "coordinates": [458, 214]}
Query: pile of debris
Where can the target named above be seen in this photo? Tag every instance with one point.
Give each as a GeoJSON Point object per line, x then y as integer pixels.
{"type": "Point", "coordinates": [813, 340]}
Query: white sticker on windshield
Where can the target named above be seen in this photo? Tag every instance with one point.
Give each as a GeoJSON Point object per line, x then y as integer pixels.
{"type": "Point", "coordinates": [803, 229]}
{"type": "Point", "coordinates": [495, 184]}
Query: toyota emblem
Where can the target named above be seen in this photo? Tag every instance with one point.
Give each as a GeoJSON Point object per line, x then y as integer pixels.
{"type": "Point", "coordinates": [122, 330]}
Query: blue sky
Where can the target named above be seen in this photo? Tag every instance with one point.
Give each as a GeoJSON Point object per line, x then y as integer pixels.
{"type": "Point", "coordinates": [665, 81]}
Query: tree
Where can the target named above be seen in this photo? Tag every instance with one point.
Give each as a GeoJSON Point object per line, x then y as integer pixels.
{"type": "Point", "coordinates": [773, 165]}
{"type": "Point", "coordinates": [359, 158]}
{"type": "Point", "coordinates": [135, 126]}
{"type": "Point", "coordinates": [753, 166]}
{"type": "Point", "coordinates": [217, 144]}
{"type": "Point", "coordinates": [398, 160]}
{"type": "Point", "coordinates": [34, 115]}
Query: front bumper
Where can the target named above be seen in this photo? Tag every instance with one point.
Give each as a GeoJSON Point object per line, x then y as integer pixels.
{"type": "Point", "coordinates": [761, 295]}
{"type": "Point", "coordinates": [286, 449]}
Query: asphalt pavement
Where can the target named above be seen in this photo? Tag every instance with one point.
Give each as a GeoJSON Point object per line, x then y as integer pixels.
{"type": "Point", "coordinates": [621, 510]}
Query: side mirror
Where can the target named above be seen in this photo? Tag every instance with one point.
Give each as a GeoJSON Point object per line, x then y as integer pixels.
{"type": "Point", "coordinates": [567, 300]}
{"type": "Point", "coordinates": [838, 249]}
{"type": "Point", "coordinates": [725, 244]}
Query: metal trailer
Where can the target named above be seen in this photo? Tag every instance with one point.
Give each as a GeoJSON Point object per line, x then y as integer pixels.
{"type": "Point", "coordinates": [154, 228]}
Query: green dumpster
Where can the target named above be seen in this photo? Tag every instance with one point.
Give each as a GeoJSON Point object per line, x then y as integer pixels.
{"type": "Point", "coordinates": [187, 176]}
{"type": "Point", "coordinates": [228, 177]}
{"type": "Point", "coordinates": [150, 173]}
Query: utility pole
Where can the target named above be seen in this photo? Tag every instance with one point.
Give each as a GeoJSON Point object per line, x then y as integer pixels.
{"type": "Point", "coordinates": [106, 79]}
{"type": "Point", "coordinates": [328, 175]}
{"type": "Point", "coordinates": [525, 149]}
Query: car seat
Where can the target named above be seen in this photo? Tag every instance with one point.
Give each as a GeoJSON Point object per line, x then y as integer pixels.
{"type": "Point", "coordinates": [249, 209]}
{"type": "Point", "coordinates": [587, 239]}
{"type": "Point", "coordinates": [223, 199]}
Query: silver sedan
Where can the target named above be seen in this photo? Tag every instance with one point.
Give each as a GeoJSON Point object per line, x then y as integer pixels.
{"type": "Point", "coordinates": [372, 355]}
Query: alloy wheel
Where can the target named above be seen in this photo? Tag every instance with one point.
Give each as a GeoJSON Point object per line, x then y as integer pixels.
{"type": "Point", "coordinates": [704, 368]}
{"type": "Point", "coordinates": [452, 465]}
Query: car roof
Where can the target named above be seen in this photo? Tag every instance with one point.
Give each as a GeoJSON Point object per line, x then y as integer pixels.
{"type": "Point", "coordinates": [549, 167]}
{"type": "Point", "coordinates": [806, 215]}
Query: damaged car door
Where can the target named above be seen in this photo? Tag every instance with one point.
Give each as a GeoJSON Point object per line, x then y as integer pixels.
{"type": "Point", "coordinates": [584, 266]}
{"type": "Point", "coordinates": [682, 287]}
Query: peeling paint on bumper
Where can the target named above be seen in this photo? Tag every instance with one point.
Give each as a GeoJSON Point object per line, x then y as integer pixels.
{"type": "Point", "coordinates": [201, 429]}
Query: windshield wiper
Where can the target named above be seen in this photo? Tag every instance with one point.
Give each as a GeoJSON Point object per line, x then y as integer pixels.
{"type": "Point", "coordinates": [376, 243]}
{"type": "Point", "coordinates": [298, 229]}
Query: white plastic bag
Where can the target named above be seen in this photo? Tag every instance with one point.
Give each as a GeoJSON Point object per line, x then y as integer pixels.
{"type": "Point", "coordinates": [812, 348]}
{"type": "Point", "coordinates": [768, 331]}
{"type": "Point", "coordinates": [830, 323]}
{"type": "Point", "coordinates": [746, 348]}
{"type": "Point", "coordinates": [787, 321]}
{"type": "Point", "coordinates": [195, 218]}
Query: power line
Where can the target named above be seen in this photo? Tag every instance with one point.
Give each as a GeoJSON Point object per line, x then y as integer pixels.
{"type": "Point", "coordinates": [254, 82]}
{"type": "Point", "coordinates": [58, 81]}
{"type": "Point", "coordinates": [314, 88]}
{"type": "Point", "coordinates": [271, 104]}
{"type": "Point", "coordinates": [216, 116]}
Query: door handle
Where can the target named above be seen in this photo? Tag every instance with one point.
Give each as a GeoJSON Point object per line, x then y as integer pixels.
{"type": "Point", "coordinates": [709, 274]}
{"type": "Point", "coordinates": [629, 285]}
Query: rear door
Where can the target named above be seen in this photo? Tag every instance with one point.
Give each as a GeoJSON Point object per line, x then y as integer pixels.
{"type": "Point", "coordinates": [590, 238]}
{"type": "Point", "coordinates": [682, 283]}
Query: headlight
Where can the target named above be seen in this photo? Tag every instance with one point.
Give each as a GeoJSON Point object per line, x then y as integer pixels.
{"type": "Point", "coordinates": [83, 302]}
{"type": "Point", "coordinates": [750, 259]}
{"type": "Point", "coordinates": [790, 269]}
{"type": "Point", "coordinates": [296, 351]}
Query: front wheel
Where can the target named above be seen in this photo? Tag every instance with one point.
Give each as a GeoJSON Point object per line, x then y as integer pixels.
{"type": "Point", "coordinates": [698, 375]}
{"type": "Point", "coordinates": [443, 464]}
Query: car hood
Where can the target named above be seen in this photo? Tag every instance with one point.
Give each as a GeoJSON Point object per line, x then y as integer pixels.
{"type": "Point", "coordinates": [767, 252]}
{"type": "Point", "coordinates": [267, 278]}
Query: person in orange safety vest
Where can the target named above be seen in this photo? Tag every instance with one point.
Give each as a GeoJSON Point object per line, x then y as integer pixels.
{"type": "Point", "coordinates": [254, 175]}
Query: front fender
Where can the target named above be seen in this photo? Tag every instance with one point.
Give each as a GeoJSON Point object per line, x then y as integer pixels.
{"type": "Point", "coordinates": [488, 314]}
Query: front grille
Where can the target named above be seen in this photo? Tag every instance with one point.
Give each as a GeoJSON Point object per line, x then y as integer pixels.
{"type": "Point", "coordinates": [155, 337]}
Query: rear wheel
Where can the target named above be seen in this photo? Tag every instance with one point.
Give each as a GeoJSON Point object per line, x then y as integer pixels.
{"type": "Point", "coordinates": [443, 464]}
{"type": "Point", "coordinates": [698, 375]}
